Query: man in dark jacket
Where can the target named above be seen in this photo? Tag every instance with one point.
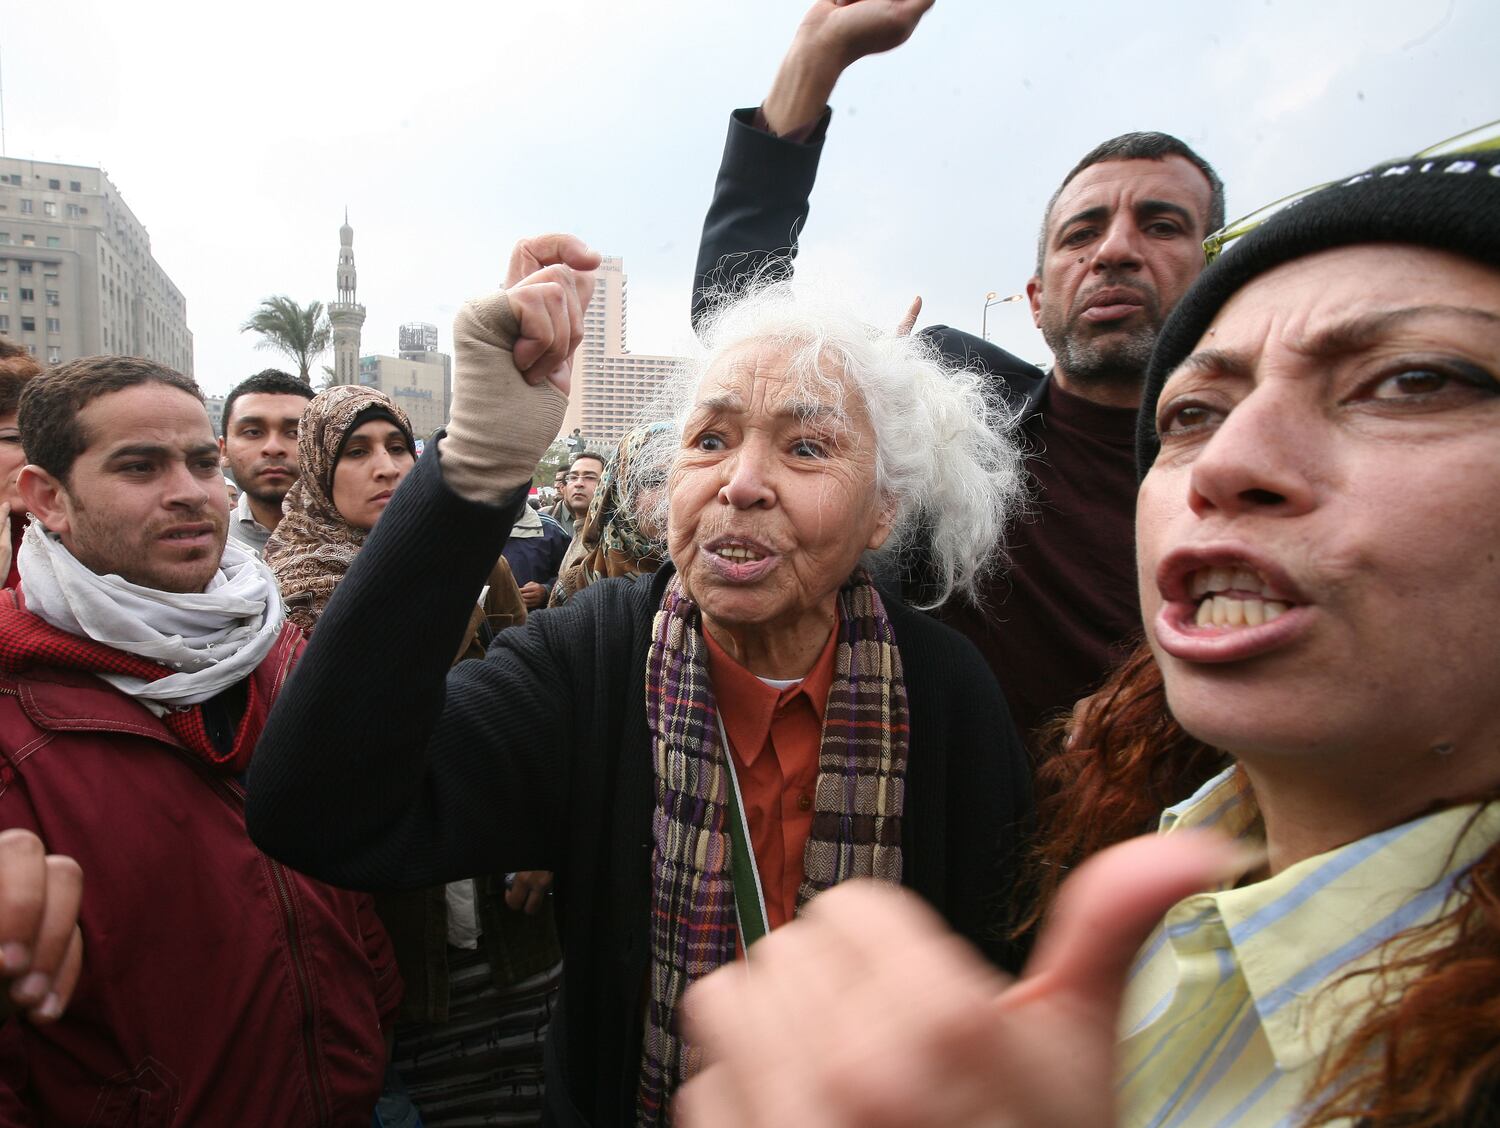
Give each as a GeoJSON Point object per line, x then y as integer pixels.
{"type": "Point", "coordinates": [1120, 243]}
{"type": "Point", "coordinates": [138, 662]}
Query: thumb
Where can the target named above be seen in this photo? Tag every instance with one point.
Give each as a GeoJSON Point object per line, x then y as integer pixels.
{"type": "Point", "coordinates": [1105, 912]}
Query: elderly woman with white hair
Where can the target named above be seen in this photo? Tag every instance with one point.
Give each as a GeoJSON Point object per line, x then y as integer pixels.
{"type": "Point", "coordinates": [695, 753]}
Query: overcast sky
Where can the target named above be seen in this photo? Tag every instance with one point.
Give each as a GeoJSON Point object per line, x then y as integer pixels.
{"type": "Point", "coordinates": [238, 133]}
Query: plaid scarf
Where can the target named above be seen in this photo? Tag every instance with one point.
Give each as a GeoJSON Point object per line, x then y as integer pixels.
{"type": "Point", "coordinates": [27, 641]}
{"type": "Point", "coordinates": [856, 830]}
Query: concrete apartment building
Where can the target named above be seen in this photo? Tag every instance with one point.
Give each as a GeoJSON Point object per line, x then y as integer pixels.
{"type": "Point", "coordinates": [76, 273]}
{"type": "Point", "coordinates": [418, 340]}
{"type": "Point", "coordinates": [612, 387]}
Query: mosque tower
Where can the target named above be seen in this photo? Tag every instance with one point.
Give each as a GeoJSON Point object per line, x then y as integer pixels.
{"type": "Point", "coordinates": [346, 315]}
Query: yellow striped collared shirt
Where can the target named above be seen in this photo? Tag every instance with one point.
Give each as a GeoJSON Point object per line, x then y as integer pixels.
{"type": "Point", "coordinates": [1236, 997]}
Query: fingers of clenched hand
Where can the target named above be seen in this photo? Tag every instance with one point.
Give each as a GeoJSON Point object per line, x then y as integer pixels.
{"type": "Point", "coordinates": [841, 1018]}
{"type": "Point", "coordinates": [40, 945]}
{"type": "Point", "coordinates": [531, 254]}
{"type": "Point", "coordinates": [549, 307]}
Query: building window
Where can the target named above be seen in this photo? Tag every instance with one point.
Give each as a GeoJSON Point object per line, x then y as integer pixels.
{"type": "Point", "coordinates": [4, 236]}
{"type": "Point", "coordinates": [52, 298]}
{"type": "Point", "coordinates": [4, 293]}
{"type": "Point", "coordinates": [74, 211]}
{"type": "Point", "coordinates": [23, 267]}
{"type": "Point", "coordinates": [54, 241]}
{"type": "Point", "coordinates": [54, 184]}
{"type": "Point", "coordinates": [49, 208]}
{"type": "Point", "coordinates": [25, 207]}
{"type": "Point", "coordinates": [54, 354]}
{"type": "Point", "coordinates": [28, 295]}
{"type": "Point", "coordinates": [54, 325]}
{"type": "Point", "coordinates": [28, 325]}
{"type": "Point", "coordinates": [28, 240]}
{"type": "Point", "coordinates": [74, 186]}
{"type": "Point", "coordinates": [5, 322]}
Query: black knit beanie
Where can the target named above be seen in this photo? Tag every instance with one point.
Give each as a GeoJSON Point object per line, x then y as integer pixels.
{"type": "Point", "coordinates": [1451, 203]}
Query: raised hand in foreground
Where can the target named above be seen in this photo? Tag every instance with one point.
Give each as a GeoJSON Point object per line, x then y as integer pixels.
{"type": "Point", "coordinates": [513, 366]}
{"type": "Point", "coordinates": [868, 1011]}
{"type": "Point", "coordinates": [41, 949]}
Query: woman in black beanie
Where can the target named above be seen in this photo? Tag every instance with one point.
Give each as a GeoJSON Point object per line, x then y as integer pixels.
{"type": "Point", "coordinates": [1319, 560]}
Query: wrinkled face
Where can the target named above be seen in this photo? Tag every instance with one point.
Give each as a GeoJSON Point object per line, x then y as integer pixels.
{"type": "Point", "coordinates": [260, 444]}
{"type": "Point", "coordinates": [580, 484]}
{"type": "Point", "coordinates": [145, 500]}
{"type": "Point", "coordinates": [376, 457]}
{"type": "Point", "coordinates": [1318, 540]}
{"type": "Point", "coordinates": [1124, 242]}
{"type": "Point", "coordinates": [772, 497]}
{"type": "Point", "coordinates": [12, 458]}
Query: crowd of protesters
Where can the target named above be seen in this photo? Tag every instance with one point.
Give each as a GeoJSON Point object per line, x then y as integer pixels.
{"type": "Point", "coordinates": [374, 794]}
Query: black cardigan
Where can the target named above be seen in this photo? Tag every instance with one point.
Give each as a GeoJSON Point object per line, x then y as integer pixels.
{"type": "Point", "coordinates": [376, 774]}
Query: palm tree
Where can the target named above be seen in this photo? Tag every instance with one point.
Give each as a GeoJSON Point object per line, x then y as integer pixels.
{"type": "Point", "coordinates": [301, 332]}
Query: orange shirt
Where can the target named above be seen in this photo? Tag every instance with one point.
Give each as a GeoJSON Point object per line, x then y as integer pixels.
{"type": "Point", "coordinates": [774, 737]}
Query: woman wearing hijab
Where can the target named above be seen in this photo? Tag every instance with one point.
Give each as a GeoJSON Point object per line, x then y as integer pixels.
{"type": "Point", "coordinates": [622, 533]}
{"type": "Point", "coordinates": [355, 447]}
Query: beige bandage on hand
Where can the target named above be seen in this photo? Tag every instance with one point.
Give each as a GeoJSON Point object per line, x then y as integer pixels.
{"type": "Point", "coordinates": [500, 425]}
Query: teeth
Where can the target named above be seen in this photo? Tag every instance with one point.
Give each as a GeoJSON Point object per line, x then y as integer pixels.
{"type": "Point", "coordinates": [734, 552]}
{"type": "Point", "coordinates": [1221, 611]}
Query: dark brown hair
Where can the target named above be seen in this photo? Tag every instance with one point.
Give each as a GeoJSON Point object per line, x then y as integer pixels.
{"type": "Point", "coordinates": [48, 421]}
{"type": "Point", "coordinates": [17, 365]}
{"type": "Point", "coordinates": [1429, 1056]}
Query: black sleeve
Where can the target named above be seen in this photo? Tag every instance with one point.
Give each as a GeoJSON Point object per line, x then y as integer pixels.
{"type": "Point", "coordinates": [759, 205]}
{"type": "Point", "coordinates": [380, 768]}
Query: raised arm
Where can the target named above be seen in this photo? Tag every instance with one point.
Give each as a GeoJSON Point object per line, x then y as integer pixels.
{"type": "Point", "coordinates": [378, 767]}
{"type": "Point", "coordinates": [770, 160]}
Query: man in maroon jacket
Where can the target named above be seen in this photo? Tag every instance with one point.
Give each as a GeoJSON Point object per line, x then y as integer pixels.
{"type": "Point", "coordinates": [137, 665]}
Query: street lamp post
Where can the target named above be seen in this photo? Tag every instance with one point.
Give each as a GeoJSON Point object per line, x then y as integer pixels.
{"type": "Point", "coordinates": [993, 299]}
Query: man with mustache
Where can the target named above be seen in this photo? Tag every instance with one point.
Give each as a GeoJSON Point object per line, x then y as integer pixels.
{"type": "Point", "coordinates": [1119, 245]}
{"type": "Point", "coordinates": [138, 662]}
{"type": "Point", "coordinates": [259, 445]}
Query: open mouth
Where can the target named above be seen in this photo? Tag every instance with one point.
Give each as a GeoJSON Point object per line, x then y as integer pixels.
{"type": "Point", "coordinates": [187, 533]}
{"type": "Point", "coordinates": [1229, 598]}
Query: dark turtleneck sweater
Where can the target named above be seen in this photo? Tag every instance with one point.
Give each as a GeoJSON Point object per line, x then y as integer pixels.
{"type": "Point", "coordinates": [1064, 611]}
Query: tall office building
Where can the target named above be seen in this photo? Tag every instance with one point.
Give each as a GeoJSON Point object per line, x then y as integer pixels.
{"type": "Point", "coordinates": [76, 273]}
{"type": "Point", "coordinates": [612, 387]}
{"type": "Point", "coordinates": [346, 315]}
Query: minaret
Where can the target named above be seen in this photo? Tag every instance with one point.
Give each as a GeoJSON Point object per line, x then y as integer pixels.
{"type": "Point", "coordinates": [346, 315]}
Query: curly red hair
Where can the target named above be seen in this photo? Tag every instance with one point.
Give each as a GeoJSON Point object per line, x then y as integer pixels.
{"type": "Point", "coordinates": [1428, 1057]}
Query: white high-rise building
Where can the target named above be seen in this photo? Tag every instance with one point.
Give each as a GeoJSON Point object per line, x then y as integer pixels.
{"type": "Point", "coordinates": [612, 386]}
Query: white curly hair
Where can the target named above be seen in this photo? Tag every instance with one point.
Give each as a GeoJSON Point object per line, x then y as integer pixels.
{"type": "Point", "coordinates": [947, 460]}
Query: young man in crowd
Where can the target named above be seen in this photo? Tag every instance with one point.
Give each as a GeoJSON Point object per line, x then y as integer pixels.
{"type": "Point", "coordinates": [1120, 243]}
{"type": "Point", "coordinates": [218, 987]}
{"type": "Point", "coordinates": [260, 446]}
{"type": "Point", "coordinates": [584, 471]}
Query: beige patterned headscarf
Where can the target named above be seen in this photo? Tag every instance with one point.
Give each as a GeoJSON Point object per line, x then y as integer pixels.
{"type": "Point", "coordinates": [313, 546]}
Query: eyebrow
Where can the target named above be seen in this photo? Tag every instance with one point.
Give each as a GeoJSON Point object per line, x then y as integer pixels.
{"type": "Point", "coordinates": [1361, 332]}
{"type": "Point", "coordinates": [731, 404]}
{"type": "Point", "coordinates": [157, 450]}
{"type": "Point", "coordinates": [1339, 340]}
{"type": "Point", "coordinates": [261, 420]}
{"type": "Point", "coordinates": [1158, 207]}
